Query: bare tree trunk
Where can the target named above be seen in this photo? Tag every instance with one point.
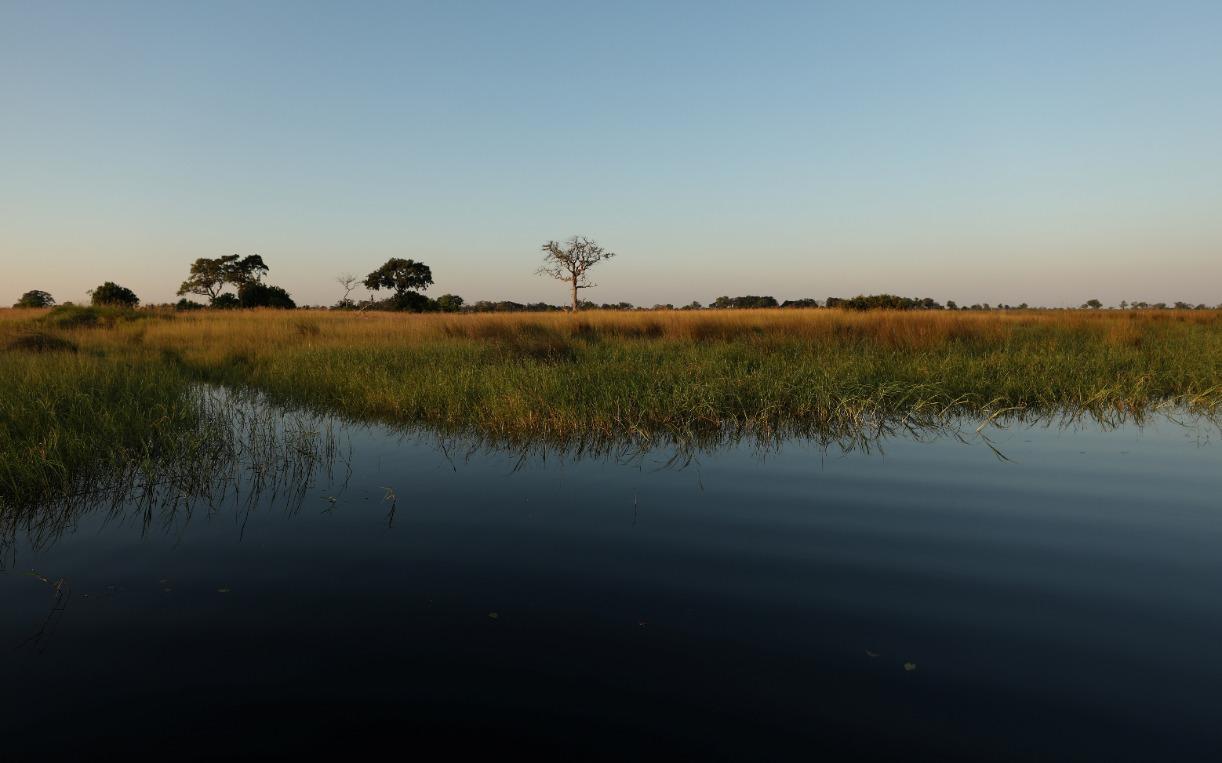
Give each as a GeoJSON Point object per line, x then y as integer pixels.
{"type": "Point", "coordinates": [574, 295]}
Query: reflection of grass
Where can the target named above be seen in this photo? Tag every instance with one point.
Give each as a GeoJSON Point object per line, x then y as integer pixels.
{"type": "Point", "coordinates": [201, 446]}
{"type": "Point", "coordinates": [645, 377]}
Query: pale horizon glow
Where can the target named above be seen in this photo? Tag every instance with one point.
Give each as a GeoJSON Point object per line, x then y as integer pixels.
{"type": "Point", "coordinates": [1041, 152]}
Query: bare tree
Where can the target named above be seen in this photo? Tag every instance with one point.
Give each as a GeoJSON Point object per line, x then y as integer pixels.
{"type": "Point", "coordinates": [570, 261]}
{"type": "Point", "coordinates": [349, 282]}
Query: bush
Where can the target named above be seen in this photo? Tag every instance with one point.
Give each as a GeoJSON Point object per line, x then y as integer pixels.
{"type": "Point", "coordinates": [35, 298]}
{"type": "Point", "coordinates": [226, 301]}
{"type": "Point", "coordinates": [111, 293]}
{"type": "Point", "coordinates": [255, 294]}
{"type": "Point", "coordinates": [449, 303]}
{"type": "Point", "coordinates": [413, 302]}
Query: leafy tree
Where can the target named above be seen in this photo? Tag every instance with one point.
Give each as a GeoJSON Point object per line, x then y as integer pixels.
{"type": "Point", "coordinates": [227, 301]}
{"type": "Point", "coordinates": [404, 277]}
{"type": "Point", "coordinates": [249, 269]}
{"type": "Point", "coordinates": [449, 303]}
{"type": "Point", "coordinates": [186, 304]}
{"type": "Point", "coordinates": [35, 298]}
{"type": "Point", "coordinates": [111, 293]}
{"type": "Point", "coordinates": [571, 261]}
{"type": "Point", "coordinates": [804, 302]}
{"type": "Point", "coordinates": [1093, 304]}
{"type": "Point", "coordinates": [256, 294]}
{"type": "Point", "coordinates": [950, 305]}
{"type": "Point", "coordinates": [209, 276]}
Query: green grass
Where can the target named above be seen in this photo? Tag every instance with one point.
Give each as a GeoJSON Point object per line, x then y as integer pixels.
{"type": "Point", "coordinates": [537, 384]}
{"type": "Point", "coordinates": [70, 419]}
{"type": "Point", "coordinates": [91, 393]}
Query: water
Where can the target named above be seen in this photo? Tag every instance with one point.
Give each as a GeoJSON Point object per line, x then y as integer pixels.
{"type": "Point", "coordinates": [927, 600]}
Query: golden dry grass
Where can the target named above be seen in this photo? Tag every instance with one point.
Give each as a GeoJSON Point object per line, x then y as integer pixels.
{"type": "Point", "coordinates": [253, 330]}
{"type": "Point", "coordinates": [601, 375]}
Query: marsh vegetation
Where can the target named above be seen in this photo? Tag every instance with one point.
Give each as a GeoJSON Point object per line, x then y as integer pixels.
{"type": "Point", "coordinates": [95, 391]}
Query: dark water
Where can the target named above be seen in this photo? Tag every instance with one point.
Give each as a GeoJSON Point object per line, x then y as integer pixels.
{"type": "Point", "coordinates": [929, 601]}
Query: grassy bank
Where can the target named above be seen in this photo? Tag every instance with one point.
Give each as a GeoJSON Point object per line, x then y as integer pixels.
{"type": "Point", "coordinates": [71, 419]}
{"type": "Point", "coordinates": [85, 391]}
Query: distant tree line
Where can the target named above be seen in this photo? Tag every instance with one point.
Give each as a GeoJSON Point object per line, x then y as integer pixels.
{"type": "Point", "coordinates": [234, 281]}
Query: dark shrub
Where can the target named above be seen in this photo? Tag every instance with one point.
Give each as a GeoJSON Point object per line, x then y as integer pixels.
{"type": "Point", "coordinates": [449, 303]}
{"type": "Point", "coordinates": [111, 293]}
{"type": "Point", "coordinates": [35, 298]}
{"type": "Point", "coordinates": [255, 294]}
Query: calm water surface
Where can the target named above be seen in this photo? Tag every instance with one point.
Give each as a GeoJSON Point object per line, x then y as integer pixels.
{"type": "Point", "coordinates": [927, 601]}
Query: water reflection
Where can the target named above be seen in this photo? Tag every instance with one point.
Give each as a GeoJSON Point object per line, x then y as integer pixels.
{"type": "Point", "coordinates": [264, 457]}
{"type": "Point", "coordinates": [1039, 587]}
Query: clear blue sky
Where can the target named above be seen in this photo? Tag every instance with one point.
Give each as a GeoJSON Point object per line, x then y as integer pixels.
{"type": "Point", "coordinates": [978, 151]}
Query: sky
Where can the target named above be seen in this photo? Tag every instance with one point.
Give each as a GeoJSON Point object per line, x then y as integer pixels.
{"type": "Point", "coordinates": [1001, 152]}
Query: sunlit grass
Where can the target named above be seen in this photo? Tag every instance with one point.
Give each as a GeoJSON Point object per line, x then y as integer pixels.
{"type": "Point", "coordinates": [84, 394]}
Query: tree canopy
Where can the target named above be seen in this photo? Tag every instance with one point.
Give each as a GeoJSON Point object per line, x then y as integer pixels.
{"type": "Point", "coordinates": [256, 294]}
{"type": "Point", "coordinates": [449, 303]}
{"type": "Point", "coordinates": [404, 277]}
{"type": "Point", "coordinates": [209, 276]}
{"type": "Point", "coordinates": [111, 293]}
{"type": "Point", "coordinates": [884, 302]}
{"type": "Point", "coordinates": [35, 298]}
{"type": "Point", "coordinates": [743, 302]}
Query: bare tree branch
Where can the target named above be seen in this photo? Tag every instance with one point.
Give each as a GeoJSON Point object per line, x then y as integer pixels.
{"type": "Point", "coordinates": [571, 260]}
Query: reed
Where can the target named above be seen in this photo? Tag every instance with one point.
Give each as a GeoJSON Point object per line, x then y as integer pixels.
{"type": "Point", "coordinates": [104, 392]}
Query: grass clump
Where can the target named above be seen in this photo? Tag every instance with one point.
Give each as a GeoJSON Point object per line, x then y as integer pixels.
{"type": "Point", "coordinates": [40, 341]}
{"type": "Point", "coordinates": [93, 316]}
